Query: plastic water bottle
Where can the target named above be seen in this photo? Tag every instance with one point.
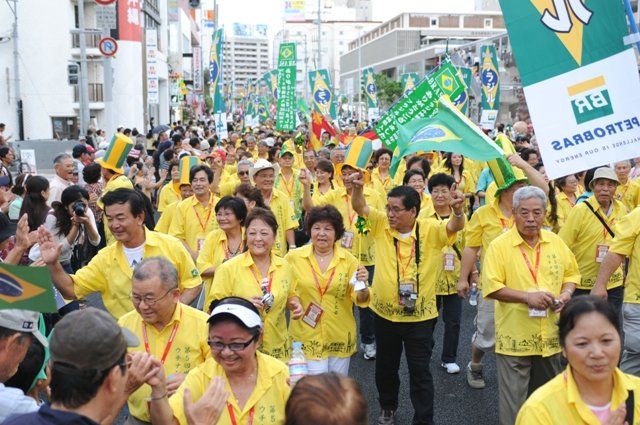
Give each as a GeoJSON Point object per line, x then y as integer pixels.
{"type": "Point", "coordinates": [473, 294]}
{"type": "Point", "coordinates": [298, 367]}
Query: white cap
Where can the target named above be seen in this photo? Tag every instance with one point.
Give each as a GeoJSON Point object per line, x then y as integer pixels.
{"type": "Point", "coordinates": [22, 321]}
{"type": "Point", "coordinates": [248, 317]}
{"type": "Point", "coordinates": [262, 164]}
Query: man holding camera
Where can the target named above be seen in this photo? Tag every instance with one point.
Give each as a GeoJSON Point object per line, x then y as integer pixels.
{"type": "Point", "coordinates": [403, 297]}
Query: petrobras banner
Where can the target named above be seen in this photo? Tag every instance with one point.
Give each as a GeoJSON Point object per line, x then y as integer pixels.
{"type": "Point", "coordinates": [322, 92]}
{"type": "Point", "coordinates": [579, 78]}
{"type": "Point", "coordinates": [286, 111]}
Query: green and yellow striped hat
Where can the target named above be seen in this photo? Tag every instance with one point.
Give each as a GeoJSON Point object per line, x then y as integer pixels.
{"type": "Point", "coordinates": [116, 154]}
{"type": "Point", "coordinates": [187, 162]}
{"type": "Point", "coordinates": [358, 155]}
{"type": "Point", "coordinates": [503, 172]}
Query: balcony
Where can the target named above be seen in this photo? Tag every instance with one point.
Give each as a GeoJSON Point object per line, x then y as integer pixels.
{"type": "Point", "coordinates": [95, 93]}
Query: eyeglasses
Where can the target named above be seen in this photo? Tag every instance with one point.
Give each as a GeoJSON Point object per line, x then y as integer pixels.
{"type": "Point", "coordinates": [395, 211]}
{"type": "Point", "coordinates": [136, 299]}
{"type": "Point", "coordinates": [440, 193]}
{"type": "Point", "coordinates": [234, 346]}
{"type": "Point", "coordinates": [243, 173]}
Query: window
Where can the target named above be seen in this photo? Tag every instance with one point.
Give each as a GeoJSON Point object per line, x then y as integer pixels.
{"type": "Point", "coordinates": [488, 23]}
{"type": "Point", "coordinates": [434, 22]}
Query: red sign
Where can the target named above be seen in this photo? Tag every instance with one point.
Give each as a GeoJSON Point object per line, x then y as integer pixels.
{"type": "Point", "coordinates": [108, 46]}
{"type": "Point", "coordinates": [105, 2]}
{"type": "Point", "coordinates": [129, 20]}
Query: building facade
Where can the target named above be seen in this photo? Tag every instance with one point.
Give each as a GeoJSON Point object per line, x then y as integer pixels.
{"type": "Point", "coordinates": [244, 58]}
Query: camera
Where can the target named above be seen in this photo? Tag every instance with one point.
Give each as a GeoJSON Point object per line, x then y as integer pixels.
{"type": "Point", "coordinates": [408, 301]}
{"type": "Point", "coordinates": [79, 208]}
{"type": "Point", "coordinates": [267, 301]}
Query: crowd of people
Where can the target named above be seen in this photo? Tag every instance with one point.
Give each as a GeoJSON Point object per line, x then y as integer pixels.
{"type": "Point", "coordinates": [213, 255]}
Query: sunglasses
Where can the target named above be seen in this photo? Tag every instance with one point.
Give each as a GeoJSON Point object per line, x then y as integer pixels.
{"type": "Point", "coordinates": [243, 173]}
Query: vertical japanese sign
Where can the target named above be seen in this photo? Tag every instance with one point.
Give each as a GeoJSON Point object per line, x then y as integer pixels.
{"type": "Point", "coordinates": [322, 92]}
{"type": "Point", "coordinates": [409, 81]}
{"type": "Point", "coordinates": [580, 80]}
{"type": "Point", "coordinates": [151, 44]}
{"type": "Point", "coordinates": [129, 20]}
{"type": "Point", "coordinates": [286, 111]}
{"type": "Point", "coordinates": [490, 76]}
{"type": "Point", "coordinates": [197, 68]}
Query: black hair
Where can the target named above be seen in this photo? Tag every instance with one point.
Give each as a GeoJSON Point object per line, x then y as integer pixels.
{"type": "Point", "coordinates": [410, 197]}
{"type": "Point", "coordinates": [227, 317]}
{"type": "Point", "coordinates": [448, 164]}
{"type": "Point", "coordinates": [553, 211]}
{"type": "Point", "coordinates": [263, 214]}
{"type": "Point", "coordinates": [29, 367]}
{"type": "Point", "coordinates": [34, 204]}
{"type": "Point", "coordinates": [4, 151]}
{"type": "Point", "coordinates": [69, 196]}
{"type": "Point", "coordinates": [208, 171]}
{"type": "Point", "coordinates": [411, 173]}
{"type": "Point", "coordinates": [379, 153]}
{"type": "Point", "coordinates": [327, 213]}
{"type": "Point", "coordinates": [234, 204]}
{"type": "Point", "coordinates": [424, 165]}
{"type": "Point", "coordinates": [589, 176]}
{"type": "Point", "coordinates": [91, 173]}
{"type": "Point", "coordinates": [440, 179]}
{"type": "Point", "coordinates": [526, 153]}
{"type": "Point", "coordinates": [193, 142]}
{"type": "Point", "coordinates": [252, 193]}
{"type": "Point", "coordinates": [581, 305]}
{"type": "Point", "coordinates": [18, 187]}
{"type": "Point", "coordinates": [125, 196]}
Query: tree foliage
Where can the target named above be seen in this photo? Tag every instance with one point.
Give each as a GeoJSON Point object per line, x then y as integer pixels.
{"type": "Point", "coordinates": [388, 90]}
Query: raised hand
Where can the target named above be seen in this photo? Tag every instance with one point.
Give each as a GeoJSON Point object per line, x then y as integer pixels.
{"type": "Point", "coordinates": [49, 249]}
{"type": "Point", "coordinates": [209, 407]}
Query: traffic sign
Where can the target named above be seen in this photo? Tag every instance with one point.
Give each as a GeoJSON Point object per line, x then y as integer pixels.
{"type": "Point", "coordinates": [105, 2]}
{"type": "Point", "coordinates": [108, 46]}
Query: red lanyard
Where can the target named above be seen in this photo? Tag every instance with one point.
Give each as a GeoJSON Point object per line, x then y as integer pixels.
{"type": "Point", "coordinates": [504, 223]}
{"type": "Point", "coordinates": [413, 250]}
{"type": "Point", "coordinates": [232, 415]}
{"type": "Point", "coordinates": [349, 215]}
{"type": "Point", "coordinates": [315, 278]}
{"type": "Point", "coordinates": [206, 222]}
{"type": "Point", "coordinates": [169, 343]}
{"type": "Point", "coordinates": [534, 272]}
{"type": "Point", "coordinates": [268, 288]}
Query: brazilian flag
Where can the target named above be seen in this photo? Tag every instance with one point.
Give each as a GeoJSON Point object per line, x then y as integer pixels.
{"type": "Point", "coordinates": [27, 288]}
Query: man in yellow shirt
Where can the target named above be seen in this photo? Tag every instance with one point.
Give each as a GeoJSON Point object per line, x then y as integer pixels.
{"type": "Point", "coordinates": [288, 181]}
{"type": "Point", "coordinates": [242, 177]}
{"type": "Point", "coordinates": [625, 244]}
{"type": "Point", "coordinates": [588, 232]}
{"type": "Point", "coordinates": [531, 273]}
{"type": "Point", "coordinates": [195, 216]}
{"type": "Point", "coordinates": [628, 191]}
{"type": "Point", "coordinates": [172, 332]}
{"type": "Point", "coordinates": [403, 296]}
{"type": "Point", "coordinates": [110, 271]}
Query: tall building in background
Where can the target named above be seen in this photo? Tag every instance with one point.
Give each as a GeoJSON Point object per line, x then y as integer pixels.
{"type": "Point", "coordinates": [246, 55]}
{"type": "Point", "coordinates": [487, 6]}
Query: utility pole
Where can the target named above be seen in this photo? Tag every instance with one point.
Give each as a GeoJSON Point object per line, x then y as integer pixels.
{"type": "Point", "coordinates": [83, 86]}
{"type": "Point", "coordinates": [319, 32]}
{"type": "Point", "coordinates": [359, 73]}
{"type": "Point", "coordinates": [16, 69]}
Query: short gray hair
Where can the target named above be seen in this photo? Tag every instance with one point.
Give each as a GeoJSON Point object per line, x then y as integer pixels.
{"type": "Point", "coordinates": [61, 157]}
{"type": "Point", "coordinates": [528, 192]}
{"type": "Point", "coordinates": [245, 162]}
{"type": "Point", "coordinates": [157, 266]}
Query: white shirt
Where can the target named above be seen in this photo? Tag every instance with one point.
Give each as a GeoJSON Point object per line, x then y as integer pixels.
{"type": "Point", "coordinates": [14, 402]}
{"type": "Point", "coordinates": [134, 255]}
{"type": "Point", "coordinates": [56, 187]}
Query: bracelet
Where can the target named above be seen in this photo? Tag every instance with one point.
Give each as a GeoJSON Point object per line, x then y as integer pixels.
{"type": "Point", "coordinates": [292, 246]}
{"type": "Point", "coordinates": [458, 215]}
{"type": "Point", "coordinates": [568, 292]}
{"type": "Point", "coordinates": [157, 398]}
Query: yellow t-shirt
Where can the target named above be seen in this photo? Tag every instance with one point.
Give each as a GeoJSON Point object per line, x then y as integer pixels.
{"type": "Point", "coordinates": [583, 233]}
{"type": "Point", "coordinates": [266, 403]}
{"type": "Point", "coordinates": [214, 252]}
{"type": "Point", "coordinates": [164, 222]}
{"type": "Point", "coordinates": [558, 402]}
{"type": "Point", "coordinates": [118, 181]}
{"type": "Point", "coordinates": [426, 206]}
{"type": "Point", "coordinates": [383, 186]}
{"type": "Point", "coordinates": [227, 188]}
{"type": "Point", "coordinates": [490, 193]}
{"type": "Point", "coordinates": [517, 334]}
{"type": "Point", "coordinates": [192, 222]}
{"type": "Point", "coordinates": [285, 217]}
{"type": "Point", "coordinates": [188, 350]}
{"type": "Point", "coordinates": [293, 191]}
{"type": "Point", "coordinates": [335, 334]}
{"type": "Point", "coordinates": [629, 194]}
{"type": "Point", "coordinates": [627, 243]}
{"type": "Point", "coordinates": [564, 208]}
{"type": "Point", "coordinates": [400, 268]}
{"type": "Point", "coordinates": [362, 245]}
{"type": "Point", "coordinates": [169, 194]}
{"type": "Point", "coordinates": [447, 280]}
{"type": "Point", "coordinates": [109, 272]}
{"type": "Point", "coordinates": [239, 277]}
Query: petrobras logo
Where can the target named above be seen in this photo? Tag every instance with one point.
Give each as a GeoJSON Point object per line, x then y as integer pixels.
{"type": "Point", "coordinates": [590, 100]}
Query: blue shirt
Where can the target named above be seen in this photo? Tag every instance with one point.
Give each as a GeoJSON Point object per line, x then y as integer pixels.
{"type": "Point", "coordinates": [485, 179]}
{"type": "Point", "coordinates": [48, 416]}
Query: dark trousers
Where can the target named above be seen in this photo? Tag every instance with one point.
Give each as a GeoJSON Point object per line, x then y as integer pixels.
{"type": "Point", "coordinates": [367, 334]}
{"type": "Point", "coordinates": [614, 296]}
{"type": "Point", "coordinates": [451, 311]}
{"type": "Point", "coordinates": [416, 338]}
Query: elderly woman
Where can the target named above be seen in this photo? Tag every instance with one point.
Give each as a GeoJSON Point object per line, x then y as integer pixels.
{"type": "Point", "coordinates": [415, 178]}
{"type": "Point", "coordinates": [324, 274]}
{"type": "Point", "coordinates": [255, 385]}
{"type": "Point", "coordinates": [592, 390]}
{"type": "Point", "coordinates": [264, 278]}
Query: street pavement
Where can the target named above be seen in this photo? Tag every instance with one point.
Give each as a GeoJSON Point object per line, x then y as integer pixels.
{"type": "Point", "coordinates": [455, 402]}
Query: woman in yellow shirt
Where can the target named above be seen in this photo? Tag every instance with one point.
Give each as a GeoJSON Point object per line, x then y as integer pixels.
{"type": "Point", "coordinates": [415, 178]}
{"type": "Point", "coordinates": [324, 275]}
{"type": "Point", "coordinates": [251, 196]}
{"type": "Point", "coordinates": [242, 385]}
{"type": "Point", "coordinates": [380, 177]}
{"type": "Point", "coordinates": [454, 166]}
{"type": "Point", "coordinates": [592, 390]}
{"type": "Point", "coordinates": [324, 179]}
{"type": "Point", "coordinates": [263, 278]}
{"type": "Point", "coordinates": [567, 196]}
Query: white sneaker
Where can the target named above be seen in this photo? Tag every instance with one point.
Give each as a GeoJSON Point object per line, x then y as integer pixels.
{"type": "Point", "coordinates": [451, 367]}
{"type": "Point", "coordinates": [369, 351]}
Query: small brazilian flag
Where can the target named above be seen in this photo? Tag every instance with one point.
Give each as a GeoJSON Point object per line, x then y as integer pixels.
{"type": "Point", "coordinates": [28, 288]}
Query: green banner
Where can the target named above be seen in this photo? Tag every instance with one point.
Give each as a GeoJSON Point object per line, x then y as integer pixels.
{"type": "Point", "coordinates": [549, 42]}
{"type": "Point", "coordinates": [421, 102]}
{"type": "Point", "coordinates": [215, 72]}
{"type": "Point", "coordinates": [490, 78]}
{"type": "Point", "coordinates": [409, 81]}
{"type": "Point", "coordinates": [286, 110]}
{"type": "Point", "coordinates": [322, 92]}
{"type": "Point", "coordinates": [27, 288]}
{"type": "Point", "coordinates": [369, 87]}
{"type": "Point", "coordinates": [462, 101]}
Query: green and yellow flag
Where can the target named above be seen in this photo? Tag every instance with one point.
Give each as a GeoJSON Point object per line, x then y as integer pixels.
{"type": "Point", "coordinates": [370, 88]}
{"type": "Point", "coordinates": [409, 81]}
{"type": "Point", "coordinates": [27, 288]}
{"type": "Point", "coordinates": [322, 92]}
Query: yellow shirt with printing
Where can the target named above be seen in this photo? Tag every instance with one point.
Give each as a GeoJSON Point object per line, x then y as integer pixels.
{"type": "Point", "coordinates": [164, 222]}
{"type": "Point", "coordinates": [517, 334]}
{"type": "Point", "coordinates": [335, 335]}
{"type": "Point", "coordinates": [193, 222]}
{"type": "Point", "coordinates": [293, 191]}
{"type": "Point", "coordinates": [189, 348]}
{"type": "Point", "coordinates": [214, 252]}
{"type": "Point", "coordinates": [447, 280]}
{"type": "Point", "coordinates": [583, 232]}
{"type": "Point", "coordinates": [558, 402]}
{"type": "Point", "coordinates": [267, 401]}
{"type": "Point", "coordinates": [109, 272]}
{"type": "Point", "coordinates": [169, 194]}
{"type": "Point", "coordinates": [239, 277]}
{"type": "Point", "coordinates": [285, 217]}
{"type": "Point", "coordinates": [627, 243]}
{"type": "Point", "coordinates": [432, 238]}
{"type": "Point", "coordinates": [629, 194]}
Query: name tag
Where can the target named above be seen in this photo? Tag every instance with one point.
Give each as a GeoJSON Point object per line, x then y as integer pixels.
{"type": "Point", "coordinates": [313, 315]}
{"type": "Point", "coordinates": [537, 313]}
{"type": "Point", "coordinates": [200, 244]}
{"type": "Point", "coordinates": [448, 261]}
{"type": "Point", "coordinates": [347, 240]}
{"type": "Point", "coordinates": [601, 252]}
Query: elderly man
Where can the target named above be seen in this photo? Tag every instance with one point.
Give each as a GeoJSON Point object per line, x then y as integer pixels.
{"type": "Point", "coordinates": [242, 176]}
{"type": "Point", "coordinates": [110, 271]}
{"type": "Point", "coordinates": [91, 374]}
{"type": "Point", "coordinates": [628, 191]}
{"type": "Point", "coordinates": [589, 230]}
{"type": "Point", "coordinates": [172, 332]}
{"type": "Point", "coordinates": [63, 167]}
{"type": "Point", "coordinates": [531, 273]}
